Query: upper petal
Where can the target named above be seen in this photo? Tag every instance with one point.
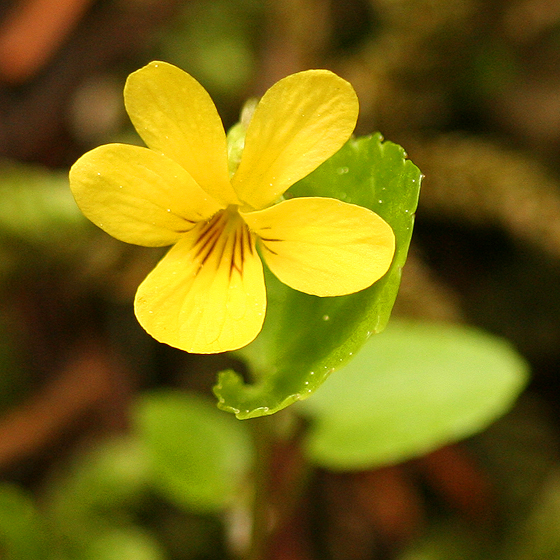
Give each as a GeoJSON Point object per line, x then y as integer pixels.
{"type": "Point", "coordinates": [323, 246]}
{"type": "Point", "coordinates": [299, 123]}
{"type": "Point", "coordinates": [137, 195]}
{"type": "Point", "coordinates": [207, 294]}
{"type": "Point", "coordinates": [175, 115]}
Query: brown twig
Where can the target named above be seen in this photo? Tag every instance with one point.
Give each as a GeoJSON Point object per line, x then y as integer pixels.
{"type": "Point", "coordinates": [31, 34]}
{"type": "Point", "coordinates": [88, 381]}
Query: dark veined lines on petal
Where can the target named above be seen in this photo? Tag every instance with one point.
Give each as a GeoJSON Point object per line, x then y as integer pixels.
{"type": "Point", "coordinates": [265, 240]}
{"type": "Point", "coordinates": [238, 252]}
{"type": "Point", "coordinates": [191, 222]}
{"type": "Point", "coordinates": [225, 237]}
{"type": "Point", "coordinates": [209, 237]}
{"type": "Point", "coordinates": [243, 245]}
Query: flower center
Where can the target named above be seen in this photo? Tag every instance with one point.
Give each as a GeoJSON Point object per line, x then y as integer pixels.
{"type": "Point", "coordinates": [223, 242]}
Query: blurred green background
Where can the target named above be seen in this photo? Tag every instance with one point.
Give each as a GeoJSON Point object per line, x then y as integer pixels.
{"type": "Point", "coordinates": [470, 89]}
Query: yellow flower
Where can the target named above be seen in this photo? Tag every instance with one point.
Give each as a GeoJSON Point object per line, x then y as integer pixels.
{"type": "Point", "coordinates": [208, 294]}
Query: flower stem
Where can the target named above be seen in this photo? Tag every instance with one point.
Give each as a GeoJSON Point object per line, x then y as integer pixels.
{"type": "Point", "coordinates": [263, 436]}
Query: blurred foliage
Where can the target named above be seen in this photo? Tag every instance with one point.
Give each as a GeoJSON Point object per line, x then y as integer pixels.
{"type": "Point", "coordinates": [37, 216]}
{"type": "Point", "coordinates": [97, 417]}
{"type": "Point", "coordinates": [410, 390]}
{"type": "Point", "coordinates": [206, 38]}
{"type": "Point", "coordinates": [22, 533]}
{"type": "Point", "coordinates": [200, 457]}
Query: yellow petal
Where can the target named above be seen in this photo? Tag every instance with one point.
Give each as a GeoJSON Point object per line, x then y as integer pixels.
{"type": "Point", "coordinates": [323, 246]}
{"type": "Point", "coordinates": [207, 294]}
{"type": "Point", "coordinates": [175, 115]}
{"type": "Point", "coordinates": [299, 123]}
{"type": "Point", "coordinates": [137, 195]}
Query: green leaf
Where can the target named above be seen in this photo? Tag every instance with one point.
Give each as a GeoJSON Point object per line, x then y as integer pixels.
{"type": "Point", "coordinates": [412, 389]}
{"type": "Point", "coordinates": [199, 455]}
{"type": "Point", "coordinates": [37, 206]}
{"type": "Point", "coordinates": [214, 41]}
{"type": "Point", "coordinates": [451, 540]}
{"type": "Point", "coordinates": [96, 495]}
{"type": "Point", "coordinates": [111, 475]}
{"type": "Point", "coordinates": [538, 538]}
{"type": "Point", "coordinates": [130, 543]}
{"type": "Point", "coordinates": [305, 338]}
{"type": "Point", "coordinates": [22, 532]}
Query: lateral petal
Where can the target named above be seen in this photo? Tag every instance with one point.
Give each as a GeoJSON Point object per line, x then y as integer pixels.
{"type": "Point", "coordinates": [137, 195]}
{"type": "Point", "coordinates": [299, 123]}
{"type": "Point", "coordinates": [207, 295]}
{"type": "Point", "coordinates": [322, 246]}
{"type": "Point", "coordinates": [175, 116]}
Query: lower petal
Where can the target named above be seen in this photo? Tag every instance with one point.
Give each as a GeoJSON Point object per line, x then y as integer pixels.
{"type": "Point", "coordinates": [322, 246]}
{"type": "Point", "coordinates": [207, 295]}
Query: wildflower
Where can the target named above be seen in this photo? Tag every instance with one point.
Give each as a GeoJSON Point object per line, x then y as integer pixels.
{"type": "Point", "coordinates": [207, 294]}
